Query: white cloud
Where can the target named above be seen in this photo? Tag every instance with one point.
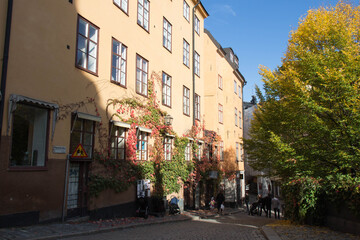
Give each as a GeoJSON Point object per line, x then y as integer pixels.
{"type": "Point", "coordinates": [228, 9]}
{"type": "Point", "coordinates": [224, 9]}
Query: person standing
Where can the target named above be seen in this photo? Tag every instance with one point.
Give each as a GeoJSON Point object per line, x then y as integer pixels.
{"type": "Point", "coordinates": [268, 200]}
{"type": "Point", "coordinates": [276, 205]}
{"type": "Point", "coordinates": [247, 202]}
{"type": "Point", "coordinates": [219, 201]}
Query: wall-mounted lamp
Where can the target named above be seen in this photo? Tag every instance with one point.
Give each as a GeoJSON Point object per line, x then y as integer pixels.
{"type": "Point", "coordinates": [168, 120]}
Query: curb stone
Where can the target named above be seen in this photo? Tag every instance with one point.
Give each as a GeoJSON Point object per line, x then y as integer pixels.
{"type": "Point", "coordinates": [269, 233]}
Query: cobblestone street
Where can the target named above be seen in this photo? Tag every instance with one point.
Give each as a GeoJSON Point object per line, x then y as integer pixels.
{"type": "Point", "coordinates": [200, 224]}
{"type": "Point", "coordinates": [202, 229]}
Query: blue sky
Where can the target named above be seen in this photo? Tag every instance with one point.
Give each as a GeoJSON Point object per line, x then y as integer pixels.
{"type": "Point", "coordinates": [257, 31]}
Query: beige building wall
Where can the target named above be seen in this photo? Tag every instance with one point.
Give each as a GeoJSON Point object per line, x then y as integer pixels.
{"type": "Point", "coordinates": [42, 66]}
{"type": "Point", "coordinates": [218, 64]}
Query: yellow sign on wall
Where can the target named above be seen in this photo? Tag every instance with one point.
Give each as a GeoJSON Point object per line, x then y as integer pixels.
{"type": "Point", "coordinates": [79, 152]}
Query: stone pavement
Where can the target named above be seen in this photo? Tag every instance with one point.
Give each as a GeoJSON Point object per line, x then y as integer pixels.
{"type": "Point", "coordinates": [278, 230]}
{"type": "Point", "coordinates": [286, 231]}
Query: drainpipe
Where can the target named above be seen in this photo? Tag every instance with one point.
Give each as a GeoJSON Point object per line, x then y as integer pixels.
{"type": "Point", "coordinates": [193, 57]}
{"type": "Point", "coordinates": [5, 62]}
{"type": "Point", "coordinates": [65, 187]}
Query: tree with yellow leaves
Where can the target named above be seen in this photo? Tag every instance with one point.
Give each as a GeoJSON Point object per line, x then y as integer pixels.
{"type": "Point", "coordinates": [308, 122]}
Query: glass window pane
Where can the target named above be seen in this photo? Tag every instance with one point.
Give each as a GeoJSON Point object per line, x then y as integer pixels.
{"type": "Point", "coordinates": [81, 59]}
{"type": "Point", "coordinates": [87, 139]}
{"type": "Point", "coordinates": [92, 64]}
{"type": "Point", "coordinates": [93, 34]}
{"type": "Point", "coordinates": [92, 49]}
{"type": "Point", "coordinates": [123, 52]}
{"type": "Point", "coordinates": [29, 136]}
{"type": "Point", "coordinates": [113, 74]}
{"type": "Point", "coordinates": [116, 46]}
{"type": "Point", "coordinates": [82, 43]}
{"type": "Point", "coordinates": [83, 27]}
{"type": "Point", "coordinates": [124, 5]}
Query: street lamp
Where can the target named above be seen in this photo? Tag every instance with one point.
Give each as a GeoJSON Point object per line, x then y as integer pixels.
{"type": "Point", "coordinates": [168, 120]}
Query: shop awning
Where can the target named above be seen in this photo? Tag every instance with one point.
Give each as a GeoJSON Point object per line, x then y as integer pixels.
{"type": "Point", "coordinates": [14, 99]}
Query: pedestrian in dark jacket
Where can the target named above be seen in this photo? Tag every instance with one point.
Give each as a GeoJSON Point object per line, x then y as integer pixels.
{"type": "Point", "coordinates": [247, 202]}
{"type": "Point", "coordinates": [268, 205]}
{"type": "Point", "coordinates": [219, 201]}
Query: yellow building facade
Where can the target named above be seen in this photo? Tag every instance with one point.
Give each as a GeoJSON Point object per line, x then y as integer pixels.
{"type": "Point", "coordinates": [67, 61]}
{"type": "Point", "coordinates": [223, 95]}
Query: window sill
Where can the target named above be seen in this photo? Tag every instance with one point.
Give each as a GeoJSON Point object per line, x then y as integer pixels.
{"type": "Point", "coordinates": [117, 83]}
{"type": "Point", "coordinates": [88, 71]}
{"type": "Point", "coordinates": [27, 169]}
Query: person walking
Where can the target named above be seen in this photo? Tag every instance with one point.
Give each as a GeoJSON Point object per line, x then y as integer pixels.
{"type": "Point", "coordinates": [220, 201]}
{"type": "Point", "coordinates": [268, 200]}
{"type": "Point", "coordinates": [247, 202]}
{"type": "Point", "coordinates": [276, 205]}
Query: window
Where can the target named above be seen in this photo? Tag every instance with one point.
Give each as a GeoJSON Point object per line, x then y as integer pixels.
{"type": "Point", "coordinates": [82, 133]}
{"type": "Point", "coordinates": [239, 91]}
{"type": "Point", "coordinates": [166, 90]}
{"type": "Point", "coordinates": [186, 53]}
{"type": "Point", "coordinates": [118, 63]}
{"type": "Point", "coordinates": [118, 143]}
{"type": "Point", "coordinates": [220, 82]}
{"type": "Point", "coordinates": [29, 136]}
{"type": "Point", "coordinates": [239, 119]}
{"type": "Point", "coordinates": [87, 46]}
{"type": "Point", "coordinates": [143, 14]}
{"type": "Point", "coordinates": [122, 4]}
{"type": "Point", "coordinates": [221, 151]}
{"type": "Point", "coordinates": [141, 75]}
{"type": "Point", "coordinates": [197, 25]}
{"type": "Point", "coordinates": [188, 152]}
{"type": "Point", "coordinates": [241, 152]}
{"type": "Point", "coordinates": [142, 146]}
{"type": "Point", "coordinates": [199, 151]}
{"type": "Point", "coordinates": [231, 57]}
{"type": "Point", "coordinates": [237, 152]}
{"type": "Point", "coordinates": [186, 11]}
{"type": "Point", "coordinates": [167, 148]}
{"type": "Point", "coordinates": [167, 35]}
{"type": "Point", "coordinates": [235, 116]}
{"type": "Point", "coordinates": [235, 87]}
{"type": "Point", "coordinates": [220, 113]}
{"type": "Point", "coordinates": [197, 64]}
{"type": "Point", "coordinates": [186, 101]}
{"type": "Point", "coordinates": [197, 107]}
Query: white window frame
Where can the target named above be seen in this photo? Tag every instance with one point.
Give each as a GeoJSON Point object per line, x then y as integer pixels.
{"type": "Point", "coordinates": [186, 101]}
{"type": "Point", "coordinates": [168, 148]}
{"type": "Point", "coordinates": [221, 111]}
{"type": "Point", "coordinates": [197, 25]}
{"type": "Point", "coordinates": [166, 89]}
{"type": "Point", "coordinates": [167, 33]}
{"type": "Point", "coordinates": [236, 117]}
{"type": "Point", "coordinates": [143, 143]}
{"type": "Point", "coordinates": [118, 68]}
{"type": "Point", "coordinates": [220, 82]}
{"type": "Point", "coordinates": [87, 46]}
{"type": "Point", "coordinates": [143, 14]}
{"type": "Point", "coordinates": [122, 4]}
{"type": "Point", "coordinates": [142, 67]}
{"type": "Point", "coordinates": [197, 107]}
{"type": "Point", "coordinates": [186, 11]}
{"type": "Point", "coordinates": [186, 53]}
{"type": "Point", "coordinates": [197, 64]}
